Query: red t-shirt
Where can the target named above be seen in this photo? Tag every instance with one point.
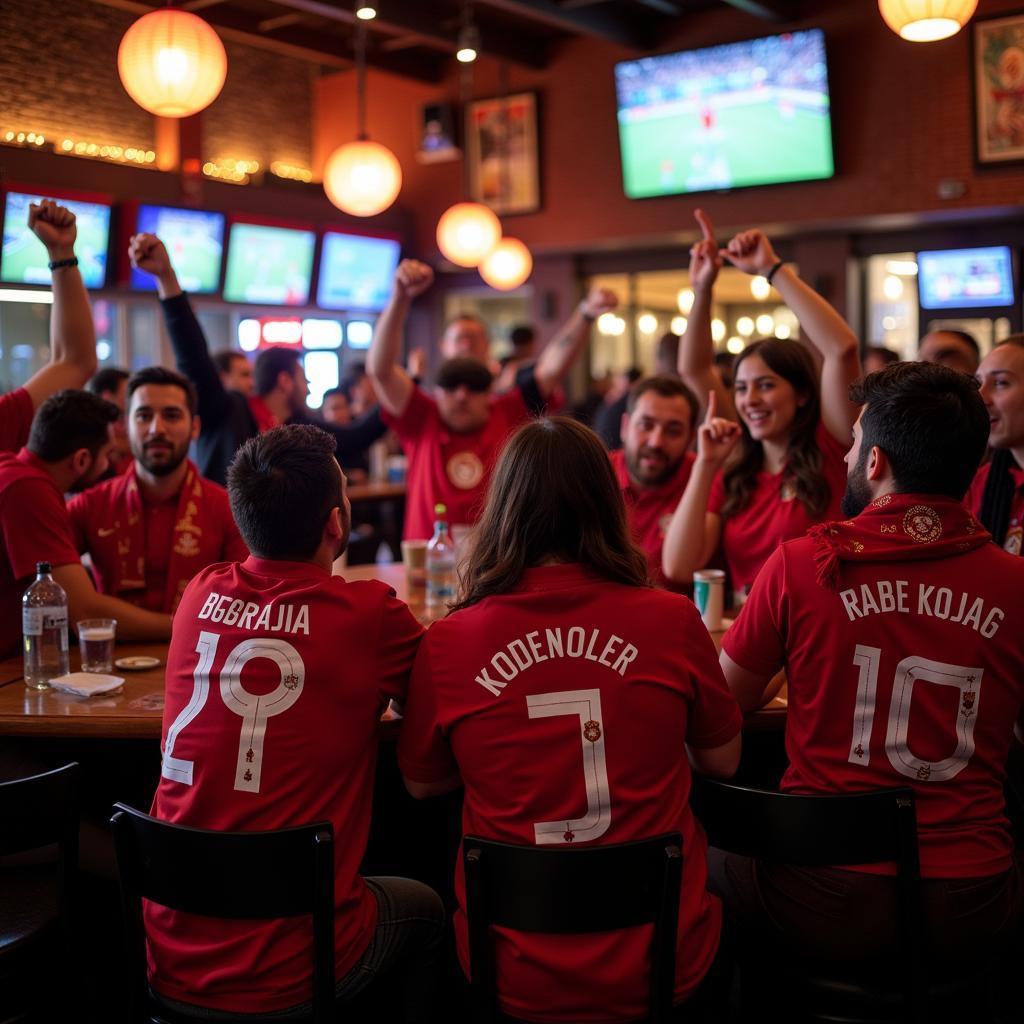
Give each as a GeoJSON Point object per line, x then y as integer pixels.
{"type": "Point", "coordinates": [774, 515]}
{"type": "Point", "coordinates": [35, 527]}
{"type": "Point", "coordinates": [1015, 530]}
{"type": "Point", "coordinates": [649, 510]}
{"type": "Point", "coordinates": [16, 412]}
{"type": "Point", "coordinates": [331, 653]}
{"type": "Point", "coordinates": [565, 704]}
{"type": "Point", "coordinates": [446, 467]}
{"type": "Point", "coordinates": [909, 675]}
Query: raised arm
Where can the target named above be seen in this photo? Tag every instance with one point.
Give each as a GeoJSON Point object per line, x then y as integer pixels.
{"type": "Point", "coordinates": [85, 602]}
{"type": "Point", "coordinates": [826, 330]}
{"type": "Point", "coordinates": [72, 334]}
{"type": "Point", "coordinates": [565, 347]}
{"type": "Point", "coordinates": [384, 360]}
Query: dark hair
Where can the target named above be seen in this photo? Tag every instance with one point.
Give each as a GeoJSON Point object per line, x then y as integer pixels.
{"type": "Point", "coordinates": [968, 339]}
{"type": "Point", "coordinates": [522, 335]}
{"type": "Point", "coordinates": [463, 370]}
{"type": "Point", "coordinates": [997, 498]}
{"type": "Point", "coordinates": [479, 320]}
{"type": "Point", "coordinates": [666, 353]}
{"type": "Point", "coordinates": [270, 363]}
{"type": "Point", "coordinates": [793, 363]}
{"type": "Point", "coordinates": [667, 387]}
{"type": "Point", "coordinates": [161, 376]}
{"type": "Point", "coordinates": [553, 495]}
{"type": "Point", "coordinates": [887, 355]}
{"type": "Point", "coordinates": [68, 421]}
{"type": "Point", "coordinates": [225, 357]}
{"type": "Point", "coordinates": [929, 420]}
{"type": "Point", "coordinates": [108, 379]}
{"type": "Point", "coordinates": [331, 392]}
{"type": "Point", "coordinates": [282, 485]}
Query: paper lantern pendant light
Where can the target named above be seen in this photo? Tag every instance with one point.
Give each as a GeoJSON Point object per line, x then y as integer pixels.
{"type": "Point", "coordinates": [172, 63]}
{"type": "Point", "coordinates": [467, 232]}
{"type": "Point", "coordinates": [925, 21]}
{"type": "Point", "coordinates": [508, 265]}
{"type": "Point", "coordinates": [362, 178]}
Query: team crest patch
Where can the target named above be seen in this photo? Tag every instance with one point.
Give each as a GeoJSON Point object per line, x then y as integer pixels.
{"type": "Point", "coordinates": [967, 703]}
{"type": "Point", "coordinates": [922, 524]}
{"type": "Point", "coordinates": [663, 524]}
{"type": "Point", "coordinates": [465, 470]}
{"type": "Point", "coordinates": [1013, 540]}
{"type": "Point", "coordinates": [592, 730]}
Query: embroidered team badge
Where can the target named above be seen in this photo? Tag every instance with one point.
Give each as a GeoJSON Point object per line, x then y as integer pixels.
{"type": "Point", "coordinates": [591, 730]}
{"type": "Point", "coordinates": [1013, 540]}
{"type": "Point", "coordinates": [663, 524]}
{"type": "Point", "coordinates": [291, 682]}
{"type": "Point", "coordinates": [967, 703]}
{"type": "Point", "coordinates": [922, 524]}
{"type": "Point", "coordinates": [465, 470]}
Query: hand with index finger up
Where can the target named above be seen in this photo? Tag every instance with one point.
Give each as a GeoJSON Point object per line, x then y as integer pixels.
{"type": "Point", "coordinates": [716, 437]}
{"type": "Point", "coordinates": [705, 261]}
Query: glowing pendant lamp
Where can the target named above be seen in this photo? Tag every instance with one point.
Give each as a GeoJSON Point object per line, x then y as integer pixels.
{"type": "Point", "coordinates": [924, 21]}
{"type": "Point", "coordinates": [172, 63]}
{"type": "Point", "coordinates": [508, 265]}
{"type": "Point", "coordinates": [467, 232]}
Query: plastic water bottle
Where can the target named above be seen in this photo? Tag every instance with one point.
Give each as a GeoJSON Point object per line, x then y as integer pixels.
{"type": "Point", "coordinates": [440, 562]}
{"type": "Point", "coordinates": [44, 625]}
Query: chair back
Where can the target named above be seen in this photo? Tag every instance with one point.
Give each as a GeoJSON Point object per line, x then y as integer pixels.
{"type": "Point", "coordinates": [240, 875]}
{"type": "Point", "coordinates": [552, 890]}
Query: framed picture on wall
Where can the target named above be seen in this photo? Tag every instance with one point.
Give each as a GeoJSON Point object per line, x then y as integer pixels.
{"type": "Point", "coordinates": [998, 79]}
{"type": "Point", "coordinates": [501, 153]}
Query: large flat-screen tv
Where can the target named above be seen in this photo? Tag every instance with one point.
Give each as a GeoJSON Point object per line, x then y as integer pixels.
{"type": "Point", "coordinates": [194, 241]}
{"type": "Point", "coordinates": [356, 271]}
{"type": "Point", "coordinates": [965, 278]}
{"type": "Point", "coordinates": [268, 264]}
{"type": "Point", "coordinates": [751, 113]}
{"type": "Point", "coordinates": [24, 259]}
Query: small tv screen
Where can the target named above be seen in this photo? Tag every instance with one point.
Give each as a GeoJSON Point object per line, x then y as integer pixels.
{"type": "Point", "coordinates": [24, 259]}
{"type": "Point", "coordinates": [194, 241]}
{"type": "Point", "coordinates": [356, 272]}
{"type": "Point", "coordinates": [965, 278]}
{"type": "Point", "coordinates": [269, 265]}
{"type": "Point", "coordinates": [731, 116]}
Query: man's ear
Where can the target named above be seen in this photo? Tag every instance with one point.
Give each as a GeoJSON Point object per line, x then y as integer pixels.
{"type": "Point", "coordinates": [878, 464]}
{"type": "Point", "coordinates": [79, 461]}
{"type": "Point", "coordinates": [196, 425]}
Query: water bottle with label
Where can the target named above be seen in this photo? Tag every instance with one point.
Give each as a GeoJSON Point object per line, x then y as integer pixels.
{"type": "Point", "coordinates": [44, 625]}
{"type": "Point", "coordinates": [440, 562]}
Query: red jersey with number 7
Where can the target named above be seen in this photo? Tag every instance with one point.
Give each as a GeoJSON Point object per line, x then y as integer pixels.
{"type": "Point", "coordinates": [277, 675]}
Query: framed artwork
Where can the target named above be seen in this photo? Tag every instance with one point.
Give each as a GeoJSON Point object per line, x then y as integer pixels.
{"type": "Point", "coordinates": [998, 79]}
{"type": "Point", "coordinates": [501, 153]}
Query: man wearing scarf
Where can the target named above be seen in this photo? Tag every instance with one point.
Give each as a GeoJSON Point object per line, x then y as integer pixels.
{"type": "Point", "coordinates": [148, 532]}
{"type": "Point", "coordinates": [902, 633]}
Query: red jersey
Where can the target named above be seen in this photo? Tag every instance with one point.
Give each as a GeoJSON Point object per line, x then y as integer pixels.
{"type": "Point", "coordinates": [277, 674]}
{"type": "Point", "coordinates": [774, 515]}
{"type": "Point", "coordinates": [649, 511]}
{"type": "Point", "coordinates": [146, 551]}
{"type": "Point", "coordinates": [16, 412]}
{"type": "Point", "coordinates": [565, 704]}
{"type": "Point", "coordinates": [908, 675]}
{"type": "Point", "coordinates": [1015, 529]}
{"type": "Point", "coordinates": [447, 467]}
{"type": "Point", "coordinates": [35, 528]}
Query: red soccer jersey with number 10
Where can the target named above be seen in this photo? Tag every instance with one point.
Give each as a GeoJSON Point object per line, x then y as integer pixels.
{"type": "Point", "coordinates": [908, 675]}
{"type": "Point", "coordinates": [276, 677]}
{"type": "Point", "coordinates": [566, 704]}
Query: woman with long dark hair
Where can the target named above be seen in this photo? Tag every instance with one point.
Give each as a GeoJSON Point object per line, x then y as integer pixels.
{"type": "Point", "coordinates": [768, 479]}
{"type": "Point", "coordinates": [561, 691]}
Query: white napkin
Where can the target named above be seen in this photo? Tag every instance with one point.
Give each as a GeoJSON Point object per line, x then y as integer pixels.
{"type": "Point", "coordinates": [87, 684]}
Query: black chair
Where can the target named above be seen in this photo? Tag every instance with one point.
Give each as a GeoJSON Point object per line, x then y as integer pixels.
{"type": "Point", "coordinates": [225, 874]}
{"type": "Point", "coordinates": [37, 892]}
{"type": "Point", "coordinates": [551, 889]}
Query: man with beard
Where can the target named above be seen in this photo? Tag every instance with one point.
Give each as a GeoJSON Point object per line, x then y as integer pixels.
{"type": "Point", "coordinates": [902, 633]}
{"type": "Point", "coordinates": [654, 463]}
{"type": "Point", "coordinates": [67, 450]}
{"type": "Point", "coordinates": [150, 531]}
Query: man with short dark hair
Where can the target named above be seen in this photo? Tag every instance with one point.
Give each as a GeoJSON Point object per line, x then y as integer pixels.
{"type": "Point", "coordinates": [111, 383]}
{"type": "Point", "coordinates": [902, 633]}
{"type": "Point", "coordinates": [956, 349]}
{"type": "Point", "coordinates": [277, 675]}
{"type": "Point", "coordinates": [150, 531]}
{"type": "Point", "coordinates": [66, 451]}
{"type": "Point", "coordinates": [235, 371]}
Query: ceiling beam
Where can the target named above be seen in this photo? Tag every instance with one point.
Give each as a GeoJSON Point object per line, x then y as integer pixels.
{"type": "Point", "coordinates": [612, 24]}
{"type": "Point", "coordinates": [768, 10]}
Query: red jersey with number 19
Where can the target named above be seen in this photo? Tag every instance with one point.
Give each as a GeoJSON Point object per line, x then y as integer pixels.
{"type": "Point", "coordinates": [277, 674]}
{"type": "Point", "coordinates": [566, 704]}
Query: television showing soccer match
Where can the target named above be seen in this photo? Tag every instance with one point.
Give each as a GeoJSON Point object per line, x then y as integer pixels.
{"type": "Point", "coordinates": [731, 116]}
{"type": "Point", "coordinates": [965, 278]}
{"type": "Point", "coordinates": [269, 265]}
{"type": "Point", "coordinates": [356, 271]}
{"type": "Point", "coordinates": [194, 241]}
{"type": "Point", "coordinates": [24, 259]}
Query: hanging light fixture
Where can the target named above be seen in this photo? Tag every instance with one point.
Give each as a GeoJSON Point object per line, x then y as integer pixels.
{"type": "Point", "coordinates": [924, 21]}
{"type": "Point", "coordinates": [467, 232]}
{"type": "Point", "coordinates": [507, 265]}
{"type": "Point", "coordinates": [467, 47]}
{"type": "Point", "coordinates": [363, 178]}
{"type": "Point", "coordinates": [366, 11]}
{"type": "Point", "coordinates": [172, 63]}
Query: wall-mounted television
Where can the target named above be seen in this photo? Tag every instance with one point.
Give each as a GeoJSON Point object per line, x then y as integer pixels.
{"type": "Point", "coordinates": [356, 271]}
{"type": "Point", "coordinates": [194, 241]}
{"type": "Point", "coordinates": [731, 116]}
{"type": "Point", "coordinates": [268, 264]}
{"type": "Point", "coordinates": [965, 278]}
{"type": "Point", "coordinates": [24, 259]}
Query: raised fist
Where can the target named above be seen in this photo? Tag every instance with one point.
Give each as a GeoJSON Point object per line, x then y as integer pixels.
{"type": "Point", "coordinates": [751, 252]}
{"type": "Point", "coordinates": [54, 226]}
{"type": "Point", "coordinates": [598, 301]}
{"type": "Point", "coordinates": [413, 278]}
{"type": "Point", "coordinates": [148, 253]}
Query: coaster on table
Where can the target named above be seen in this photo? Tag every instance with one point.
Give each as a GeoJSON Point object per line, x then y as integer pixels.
{"type": "Point", "coordinates": [137, 663]}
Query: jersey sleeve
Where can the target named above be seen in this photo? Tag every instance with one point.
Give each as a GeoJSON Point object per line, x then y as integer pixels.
{"type": "Point", "coordinates": [397, 643]}
{"type": "Point", "coordinates": [714, 717]}
{"type": "Point", "coordinates": [414, 417]}
{"type": "Point", "coordinates": [36, 528]}
{"type": "Point", "coordinates": [716, 497]}
{"type": "Point", "coordinates": [424, 754]}
{"type": "Point", "coordinates": [756, 640]}
{"type": "Point", "coordinates": [16, 412]}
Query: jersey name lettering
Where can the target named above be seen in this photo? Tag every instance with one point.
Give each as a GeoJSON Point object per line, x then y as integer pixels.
{"type": "Point", "coordinates": [267, 618]}
{"type": "Point", "coordinates": [936, 602]}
